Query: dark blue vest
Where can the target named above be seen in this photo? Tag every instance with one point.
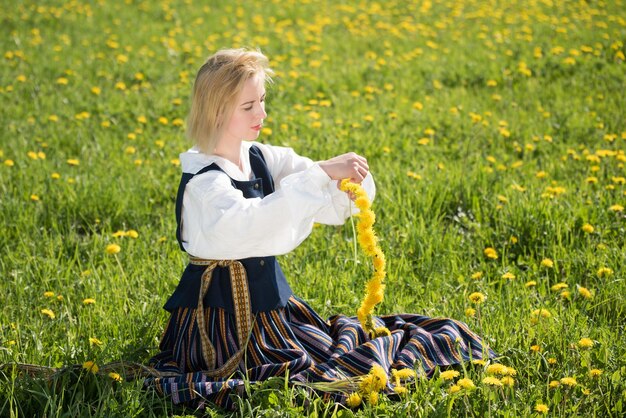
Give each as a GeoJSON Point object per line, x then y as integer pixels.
{"type": "Point", "coordinates": [267, 284]}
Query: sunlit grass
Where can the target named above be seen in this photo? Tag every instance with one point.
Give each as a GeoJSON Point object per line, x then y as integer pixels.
{"type": "Point", "coordinates": [486, 125]}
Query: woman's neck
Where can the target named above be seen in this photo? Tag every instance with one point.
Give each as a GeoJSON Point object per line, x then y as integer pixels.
{"type": "Point", "coordinates": [230, 150]}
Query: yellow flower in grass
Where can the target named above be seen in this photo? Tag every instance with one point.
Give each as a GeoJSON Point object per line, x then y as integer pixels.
{"type": "Point", "coordinates": [477, 298]}
{"type": "Point", "coordinates": [595, 373]}
{"type": "Point", "coordinates": [605, 272]}
{"type": "Point", "coordinates": [454, 389]}
{"type": "Point", "coordinates": [559, 286]}
{"type": "Point", "coordinates": [400, 390]}
{"type": "Point", "coordinates": [535, 348]}
{"type": "Point", "coordinates": [584, 292]}
{"type": "Point", "coordinates": [471, 312]}
{"type": "Point", "coordinates": [554, 384]}
{"type": "Point", "coordinates": [113, 249]}
{"type": "Point", "coordinates": [48, 294]}
{"type": "Point", "coordinates": [89, 301]}
{"type": "Point", "coordinates": [401, 375]}
{"type": "Point", "coordinates": [552, 360]}
{"type": "Point", "coordinates": [91, 367]}
{"type": "Point", "coordinates": [375, 288]}
{"type": "Point", "coordinates": [449, 374]}
{"type": "Point", "coordinates": [48, 313]}
{"type": "Point", "coordinates": [491, 253]}
{"type": "Point", "coordinates": [585, 343]}
{"type": "Point", "coordinates": [569, 381]}
{"type": "Point", "coordinates": [508, 381]}
{"type": "Point", "coordinates": [95, 341]}
{"type": "Point", "coordinates": [477, 275]}
{"type": "Point", "coordinates": [492, 381]}
{"type": "Point", "coordinates": [547, 263]}
{"type": "Point", "coordinates": [542, 408]}
{"type": "Point", "coordinates": [588, 228]}
{"type": "Point", "coordinates": [508, 276]}
{"type": "Point", "coordinates": [354, 400]}
{"type": "Point", "coordinates": [116, 377]}
{"type": "Point", "coordinates": [496, 368]}
{"type": "Point", "coordinates": [466, 383]}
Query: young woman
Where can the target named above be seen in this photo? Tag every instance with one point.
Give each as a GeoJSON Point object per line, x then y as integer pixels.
{"type": "Point", "coordinates": [239, 205]}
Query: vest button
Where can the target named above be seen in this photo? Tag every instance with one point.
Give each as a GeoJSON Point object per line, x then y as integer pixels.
{"type": "Point", "coordinates": [262, 263]}
{"type": "Point", "coordinates": [256, 185]}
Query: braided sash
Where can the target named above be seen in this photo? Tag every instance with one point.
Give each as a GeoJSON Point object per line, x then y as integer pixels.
{"type": "Point", "coordinates": [243, 313]}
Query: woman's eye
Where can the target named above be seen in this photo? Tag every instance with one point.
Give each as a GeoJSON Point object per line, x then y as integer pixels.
{"type": "Point", "coordinates": [248, 108]}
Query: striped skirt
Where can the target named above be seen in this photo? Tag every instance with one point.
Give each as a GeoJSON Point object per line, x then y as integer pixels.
{"type": "Point", "coordinates": [298, 340]}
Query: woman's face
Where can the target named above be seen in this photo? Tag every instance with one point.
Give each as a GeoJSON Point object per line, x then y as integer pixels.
{"type": "Point", "coordinates": [247, 118]}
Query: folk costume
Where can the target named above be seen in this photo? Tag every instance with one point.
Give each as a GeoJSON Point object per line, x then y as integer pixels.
{"type": "Point", "coordinates": [233, 314]}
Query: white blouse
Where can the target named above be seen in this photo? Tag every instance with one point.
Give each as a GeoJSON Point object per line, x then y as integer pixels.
{"type": "Point", "coordinates": [218, 223]}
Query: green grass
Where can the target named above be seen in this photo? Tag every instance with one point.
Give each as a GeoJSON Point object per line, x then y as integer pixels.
{"type": "Point", "coordinates": [437, 90]}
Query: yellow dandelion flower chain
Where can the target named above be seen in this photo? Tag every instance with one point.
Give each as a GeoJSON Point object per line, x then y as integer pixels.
{"type": "Point", "coordinates": [368, 241]}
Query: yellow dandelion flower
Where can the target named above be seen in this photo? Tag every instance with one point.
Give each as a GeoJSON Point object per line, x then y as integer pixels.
{"type": "Point", "coordinates": [89, 301]}
{"type": "Point", "coordinates": [496, 368]}
{"type": "Point", "coordinates": [73, 161]}
{"type": "Point", "coordinates": [616, 208]}
{"type": "Point", "coordinates": [477, 298]}
{"type": "Point", "coordinates": [585, 343]}
{"type": "Point", "coordinates": [478, 362]}
{"type": "Point", "coordinates": [48, 294]}
{"type": "Point", "coordinates": [605, 272]}
{"type": "Point", "coordinates": [113, 249]}
{"type": "Point", "coordinates": [541, 408]}
{"type": "Point", "coordinates": [477, 275]}
{"type": "Point", "coordinates": [403, 374]}
{"type": "Point", "coordinates": [508, 381]}
{"type": "Point", "coordinates": [552, 360]}
{"type": "Point", "coordinates": [9, 163]}
{"type": "Point", "coordinates": [379, 377]}
{"type": "Point", "coordinates": [492, 381]}
{"type": "Point", "coordinates": [354, 400]}
{"type": "Point", "coordinates": [535, 348]}
{"type": "Point", "coordinates": [91, 367]}
{"type": "Point", "coordinates": [491, 253]}
{"type": "Point", "coordinates": [547, 263]}
{"type": "Point", "coordinates": [569, 381]}
{"type": "Point", "coordinates": [400, 390]}
{"type": "Point", "coordinates": [466, 383]}
{"type": "Point", "coordinates": [372, 398]}
{"type": "Point", "coordinates": [116, 377]}
{"type": "Point", "coordinates": [544, 313]}
{"type": "Point", "coordinates": [559, 286]}
{"type": "Point", "coordinates": [454, 389]}
{"type": "Point", "coordinates": [584, 292]}
{"type": "Point", "coordinates": [94, 341]}
{"type": "Point", "coordinates": [449, 374]}
{"type": "Point", "coordinates": [508, 276]}
{"type": "Point", "coordinates": [48, 313]}
{"type": "Point", "coordinates": [471, 312]}
{"type": "Point", "coordinates": [530, 283]}
{"type": "Point", "coordinates": [595, 373]}
{"type": "Point", "coordinates": [554, 384]}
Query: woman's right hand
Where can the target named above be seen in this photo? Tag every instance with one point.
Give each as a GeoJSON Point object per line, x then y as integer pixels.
{"type": "Point", "coordinates": [350, 165]}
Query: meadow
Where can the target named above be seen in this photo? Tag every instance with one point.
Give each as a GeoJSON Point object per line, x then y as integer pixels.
{"type": "Point", "coordinates": [495, 131]}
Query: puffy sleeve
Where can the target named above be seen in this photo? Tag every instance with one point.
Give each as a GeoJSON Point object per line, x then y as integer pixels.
{"type": "Point", "coordinates": [219, 223]}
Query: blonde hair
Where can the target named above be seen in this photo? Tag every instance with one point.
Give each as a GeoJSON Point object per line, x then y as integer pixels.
{"type": "Point", "coordinates": [218, 84]}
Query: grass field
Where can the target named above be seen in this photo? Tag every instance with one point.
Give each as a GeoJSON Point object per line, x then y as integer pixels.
{"type": "Point", "coordinates": [487, 125]}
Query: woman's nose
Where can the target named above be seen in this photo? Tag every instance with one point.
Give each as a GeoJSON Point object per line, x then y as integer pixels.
{"type": "Point", "coordinates": [261, 113]}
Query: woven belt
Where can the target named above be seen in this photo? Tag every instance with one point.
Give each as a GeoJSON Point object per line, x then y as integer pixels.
{"type": "Point", "coordinates": [243, 313]}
